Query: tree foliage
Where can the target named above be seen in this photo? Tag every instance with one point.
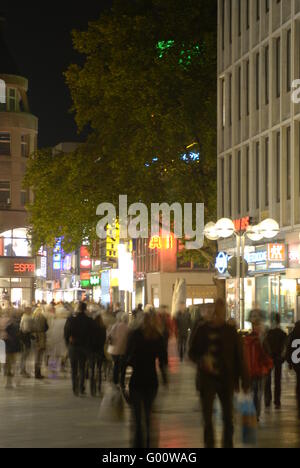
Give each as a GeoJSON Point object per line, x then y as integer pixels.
{"type": "Point", "coordinates": [147, 110]}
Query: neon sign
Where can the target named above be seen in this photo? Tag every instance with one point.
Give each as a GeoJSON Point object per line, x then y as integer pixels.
{"type": "Point", "coordinates": [156, 242]}
{"type": "Point", "coordinates": [24, 268]}
{"type": "Point", "coordinates": [222, 262]}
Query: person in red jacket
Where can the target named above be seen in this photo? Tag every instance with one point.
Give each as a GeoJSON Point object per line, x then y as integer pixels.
{"type": "Point", "coordinates": [258, 358]}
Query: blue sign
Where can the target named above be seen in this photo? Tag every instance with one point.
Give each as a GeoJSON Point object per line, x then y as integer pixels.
{"type": "Point", "coordinates": [57, 255]}
{"type": "Point", "coordinates": [222, 262]}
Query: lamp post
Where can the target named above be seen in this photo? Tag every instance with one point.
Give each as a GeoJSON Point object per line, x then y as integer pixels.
{"type": "Point", "coordinates": [224, 229]}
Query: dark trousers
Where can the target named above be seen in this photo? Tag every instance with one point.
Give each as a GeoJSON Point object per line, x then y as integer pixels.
{"type": "Point", "coordinates": [211, 387]}
{"type": "Point", "coordinates": [119, 370]}
{"type": "Point", "coordinates": [182, 341]}
{"type": "Point", "coordinates": [141, 403]}
{"type": "Point", "coordinates": [258, 391]}
{"type": "Point", "coordinates": [96, 361]}
{"type": "Point", "coordinates": [39, 354]}
{"type": "Point", "coordinates": [78, 359]}
{"type": "Point", "coordinates": [277, 382]}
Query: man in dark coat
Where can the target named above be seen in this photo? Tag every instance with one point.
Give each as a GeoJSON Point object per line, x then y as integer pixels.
{"type": "Point", "coordinates": [79, 331]}
{"type": "Point", "coordinates": [275, 343]}
{"type": "Point", "coordinates": [217, 349]}
{"type": "Point", "coordinates": [183, 325]}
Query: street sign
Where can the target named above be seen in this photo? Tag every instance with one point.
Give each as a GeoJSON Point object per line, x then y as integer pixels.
{"type": "Point", "coordinates": [232, 267]}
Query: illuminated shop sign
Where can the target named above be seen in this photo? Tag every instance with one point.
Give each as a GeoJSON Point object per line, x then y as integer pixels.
{"type": "Point", "coordinates": [242, 224]}
{"type": "Point", "coordinates": [159, 243]}
{"type": "Point", "coordinates": [276, 252]}
{"type": "Point", "coordinates": [57, 255]}
{"type": "Point", "coordinates": [20, 268]}
{"type": "Point", "coordinates": [256, 257]}
{"type": "Point", "coordinates": [95, 281]}
{"type": "Point", "coordinates": [222, 262]}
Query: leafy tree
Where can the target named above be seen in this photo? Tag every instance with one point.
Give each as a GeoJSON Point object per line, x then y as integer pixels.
{"type": "Point", "coordinates": [146, 93]}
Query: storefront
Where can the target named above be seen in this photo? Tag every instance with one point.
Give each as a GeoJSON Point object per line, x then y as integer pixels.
{"type": "Point", "coordinates": [17, 281]}
{"type": "Point", "coordinates": [268, 285]}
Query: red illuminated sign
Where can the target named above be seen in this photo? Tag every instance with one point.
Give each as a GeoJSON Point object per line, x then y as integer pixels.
{"type": "Point", "coordinates": [242, 224]}
{"type": "Point", "coordinates": [24, 268]}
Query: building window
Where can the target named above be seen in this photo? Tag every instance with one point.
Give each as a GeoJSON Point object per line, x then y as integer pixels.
{"type": "Point", "coordinates": [239, 175]}
{"type": "Point", "coordinates": [5, 200]}
{"type": "Point", "coordinates": [239, 17]}
{"type": "Point", "coordinates": [267, 172]}
{"type": "Point", "coordinates": [223, 24]}
{"type": "Point", "coordinates": [230, 99]}
{"type": "Point", "coordinates": [247, 14]}
{"type": "Point", "coordinates": [257, 81]}
{"type": "Point", "coordinates": [222, 187]}
{"type": "Point", "coordinates": [223, 103]}
{"type": "Point", "coordinates": [257, 174]}
{"type": "Point", "coordinates": [278, 178]}
{"type": "Point", "coordinates": [239, 93]}
{"type": "Point", "coordinates": [278, 67]}
{"type": "Point", "coordinates": [247, 87]}
{"type": "Point", "coordinates": [288, 162]}
{"type": "Point", "coordinates": [288, 61]}
{"type": "Point", "coordinates": [267, 75]}
{"type": "Point", "coordinates": [230, 21]}
{"type": "Point", "coordinates": [4, 144]}
{"type": "Point", "coordinates": [24, 198]}
{"type": "Point", "coordinates": [247, 180]}
{"type": "Point", "coordinates": [257, 10]}
{"type": "Point", "coordinates": [12, 100]}
{"type": "Point", "coordinates": [25, 145]}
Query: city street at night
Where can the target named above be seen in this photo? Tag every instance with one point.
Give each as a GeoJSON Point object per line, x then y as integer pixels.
{"type": "Point", "coordinates": [46, 415]}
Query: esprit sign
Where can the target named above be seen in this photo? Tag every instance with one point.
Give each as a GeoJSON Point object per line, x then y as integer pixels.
{"type": "Point", "coordinates": [17, 267]}
{"type": "Point", "coordinates": [24, 268]}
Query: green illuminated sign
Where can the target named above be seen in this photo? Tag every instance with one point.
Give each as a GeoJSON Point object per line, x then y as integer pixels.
{"type": "Point", "coordinates": [85, 283]}
{"type": "Point", "coordinates": [95, 281]}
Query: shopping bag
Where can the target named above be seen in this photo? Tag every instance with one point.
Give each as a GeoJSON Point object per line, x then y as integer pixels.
{"type": "Point", "coordinates": [2, 352]}
{"type": "Point", "coordinates": [249, 420]}
{"type": "Point", "coordinates": [112, 405]}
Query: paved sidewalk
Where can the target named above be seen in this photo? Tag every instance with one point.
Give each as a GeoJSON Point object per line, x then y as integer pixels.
{"type": "Point", "coordinates": [45, 414]}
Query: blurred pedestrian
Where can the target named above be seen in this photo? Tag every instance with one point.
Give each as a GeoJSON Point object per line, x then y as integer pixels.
{"type": "Point", "coordinates": [98, 340]}
{"type": "Point", "coordinates": [183, 326]}
{"type": "Point", "coordinates": [167, 329]}
{"type": "Point", "coordinates": [117, 339]}
{"type": "Point", "coordinates": [26, 329]}
{"type": "Point", "coordinates": [293, 358]}
{"type": "Point", "coordinates": [78, 332]}
{"type": "Point", "coordinates": [56, 346]}
{"type": "Point", "coordinates": [40, 327]}
{"type": "Point", "coordinates": [276, 343]}
{"type": "Point", "coordinates": [13, 349]}
{"type": "Point", "coordinates": [145, 346]}
{"type": "Point", "coordinates": [217, 349]}
{"type": "Point", "coordinates": [259, 360]}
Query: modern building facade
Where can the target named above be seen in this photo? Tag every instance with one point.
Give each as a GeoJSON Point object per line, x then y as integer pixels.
{"type": "Point", "coordinates": [259, 143]}
{"type": "Point", "coordinates": [18, 139]}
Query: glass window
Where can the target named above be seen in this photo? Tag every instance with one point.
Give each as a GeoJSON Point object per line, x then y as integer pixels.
{"type": "Point", "coordinates": [5, 144]}
{"type": "Point", "coordinates": [262, 293]}
{"type": "Point", "coordinates": [15, 244]}
{"type": "Point", "coordinates": [5, 195]}
{"type": "Point", "coordinates": [12, 100]}
{"type": "Point", "coordinates": [25, 145]}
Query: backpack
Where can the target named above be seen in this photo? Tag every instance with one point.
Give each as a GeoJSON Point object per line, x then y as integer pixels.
{"type": "Point", "coordinates": [259, 362]}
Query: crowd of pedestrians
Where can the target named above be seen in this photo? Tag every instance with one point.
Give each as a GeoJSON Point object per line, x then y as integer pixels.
{"type": "Point", "coordinates": [99, 343]}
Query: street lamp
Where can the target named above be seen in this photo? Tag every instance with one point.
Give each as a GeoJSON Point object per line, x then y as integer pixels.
{"type": "Point", "coordinates": [224, 229]}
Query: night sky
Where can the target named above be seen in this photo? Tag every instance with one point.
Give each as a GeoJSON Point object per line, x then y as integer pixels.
{"type": "Point", "coordinates": [39, 38]}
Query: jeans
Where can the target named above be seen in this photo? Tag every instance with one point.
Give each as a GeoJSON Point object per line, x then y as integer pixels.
{"type": "Point", "coordinates": [24, 356]}
{"type": "Point", "coordinates": [141, 403]}
{"type": "Point", "coordinates": [182, 341]}
{"type": "Point", "coordinates": [119, 371]}
{"type": "Point", "coordinates": [210, 387]}
{"type": "Point", "coordinates": [258, 390]}
{"type": "Point", "coordinates": [78, 359]}
{"type": "Point", "coordinates": [268, 386]}
{"type": "Point", "coordinates": [96, 361]}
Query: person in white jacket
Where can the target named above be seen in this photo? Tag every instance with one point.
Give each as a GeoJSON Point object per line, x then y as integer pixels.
{"type": "Point", "coordinates": [56, 346]}
{"type": "Point", "coordinates": [118, 337]}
